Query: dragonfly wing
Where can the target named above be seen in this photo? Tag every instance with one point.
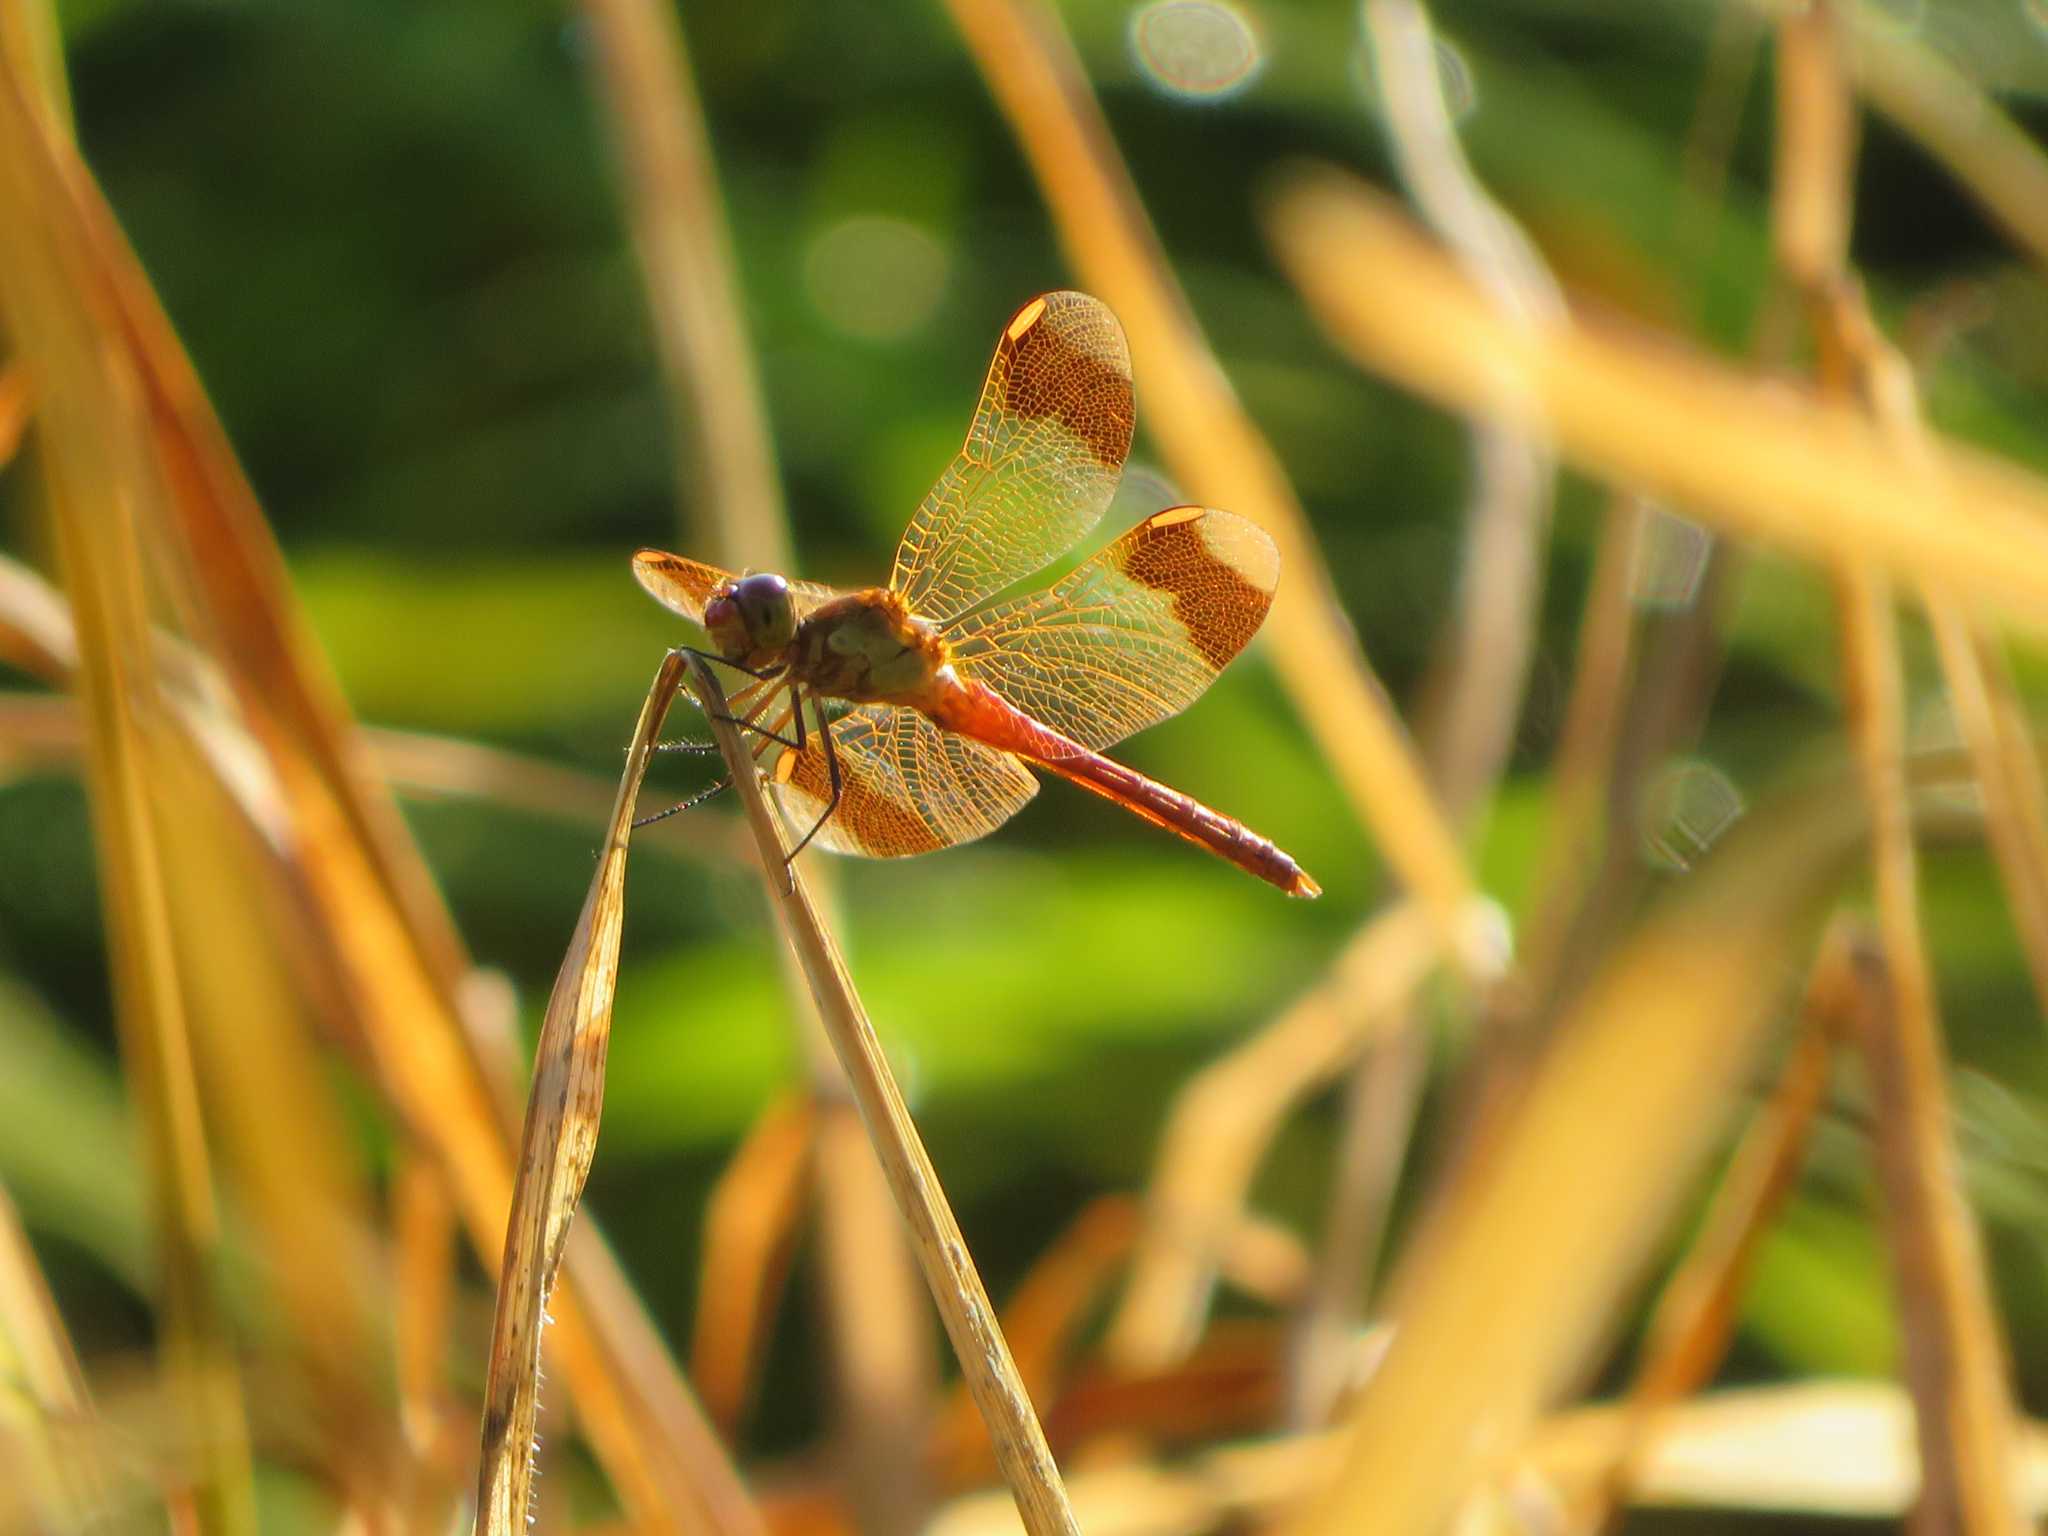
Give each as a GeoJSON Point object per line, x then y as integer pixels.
{"type": "Point", "coordinates": [684, 586]}
{"type": "Point", "coordinates": [910, 786]}
{"type": "Point", "coordinates": [1133, 635]}
{"type": "Point", "coordinates": [1040, 464]}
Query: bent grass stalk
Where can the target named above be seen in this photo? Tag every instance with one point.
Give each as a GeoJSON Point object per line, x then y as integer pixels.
{"type": "Point", "coordinates": [374, 915]}
{"type": "Point", "coordinates": [963, 1303]}
{"type": "Point", "coordinates": [1754, 459]}
{"type": "Point", "coordinates": [1956, 1360]}
{"type": "Point", "coordinates": [885, 1367]}
{"type": "Point", "coordinates": [556, 1145]}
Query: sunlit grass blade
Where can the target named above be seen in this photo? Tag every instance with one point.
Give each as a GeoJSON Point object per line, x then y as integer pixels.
{"type": "Point", "coordinates": [1955, 1356]}
{"type": "Point", "coordinates": [556, 1146]}
{"type": "Point", "coordinates": [1381, 1100]}
{"type": "Point", "coordinates": [97, 478]}
{"type": "Point", "coordinates": [435, 1425]}
{"type": "Point", "coordinates": [884, 1356]}
{"type": "Point", "coordinates": [1758, 461]}
{"type": "Point", "coordinates": [1211, 444]}
{"type": "Point", "coordinates": [1567, 859]}
{"type": "Point", "coordinates": [36, 633]}
{"type": "Point", "coordinates": [285, 1152]}
{"type": "Point", "coordinates": [1039, 1321]}
{"type": "Point", "coordinates": [44, 1408]}
{"type": "Point", "coordinates": [1226, 1118]}
{"type": "Point", "coordinates": [1482, 662]}
{"type": "Point", "coordinates": [1955, 120]}
{"type": "Point", "coordinates": [378, 917]}
{"type": "Point", "coordinates": [641, 1419]}
{"type": "Point", "coordinates": [1695, 1316]}
{"type": "Point", "coordinates": [941, 1250]}
{"type": "Point", "coordinates": [1824, 1448]}
{"type": "Point", "coordinates": [750, 1225]}
{"type": "Point", "coordinates": [33, 46]}
{"type": "Point", "coordinates": [15, 408]}
{"type": "Point", "coordinates": [1510, 1286]}
{"type": "Point", "coordinates": [686, 260]}
{"type": "Point", "coordinates": [1956, 1363]}
{"type": "Point", "coordinates": [884, 1367]}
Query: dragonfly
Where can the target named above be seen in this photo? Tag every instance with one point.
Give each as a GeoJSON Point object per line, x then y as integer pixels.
{"type": "Point", "coordinates": [906, 718]}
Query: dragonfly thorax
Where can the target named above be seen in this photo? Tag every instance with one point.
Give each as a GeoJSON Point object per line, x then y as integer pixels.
{"type": "Point", "coordinates": [868, 648]}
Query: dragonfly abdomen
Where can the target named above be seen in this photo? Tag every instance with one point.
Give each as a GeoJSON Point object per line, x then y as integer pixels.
{"type": "Point", "coordinates": [974, 709]}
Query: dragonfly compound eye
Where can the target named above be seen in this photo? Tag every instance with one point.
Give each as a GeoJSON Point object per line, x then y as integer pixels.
{"type": "Point", "coordinates": [766, 608]}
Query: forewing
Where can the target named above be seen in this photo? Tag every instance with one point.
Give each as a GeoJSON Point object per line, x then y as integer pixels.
{"type": "Point", "coordinates": [685, 586]}
{"type": "Point", "coordinates": [1040, 463]}
{"type": "Point", "coordinates": [910, 786]}
{"type": "Point", "coordinates": [1133, 635]}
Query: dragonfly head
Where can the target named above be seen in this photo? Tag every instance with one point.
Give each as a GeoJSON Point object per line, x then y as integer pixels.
{"type": "Point", "coordinates": [755, 613]}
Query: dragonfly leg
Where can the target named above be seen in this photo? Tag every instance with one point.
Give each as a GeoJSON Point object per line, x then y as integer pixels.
{"type": "Point", "coordinates": [764, 674]}
{"type": "Point", "coordinates": [838, 783]}
{"type": "Point", "coordinates": [764, 732]}
{"type": "Point", "coordinates": [745, 709]}
{"type": "Point", "coordinates": [683, 805]}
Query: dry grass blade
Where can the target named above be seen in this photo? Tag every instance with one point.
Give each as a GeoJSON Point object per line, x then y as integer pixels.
{"type": "Point", "coordinates": [884, 1357]}
{"type": "Point", "coordinates": [1567, 860]}
{"type": "Point", "coordinates": [299, 1184]}
{"type": "Point", "coordinates": [750, 1227]}
{"type": "Point", "coordinates": [1954, 1347]}
{"type": "Point", "coordinates": [97, 472]}
{"type": "Point", "coordinates": [1987, 707]}
{"type": "Point", "coordinates": [1757, 461]}
{"type": "Point", "coordinates": [556, 1146]}
{"type": "Point", "coordinates": [60, 1480]}
{"type": "Point", "coordinates": [1996, 160]}
{"type": "Point", "coordinates": [1380, 1102]}
{"type": "Point", "coordinates": [423, 1285]}
{"type": "Point", "coordinates": [15, 409]}
{"type": "Point", "coordinates": [36, 633]}
{"type": "Point", "coordinates": [33, 45]}
{"type": "Point", "coordinates": [885, 1370]}
{"type": "Point", "coordinates": [1211, 444]}
{"type": "Point", "coordinates": [1483, 657]}
{"type": "Point", "coordinates": [1956, 1367]}
{"type": "Point", "coordinates": [1505, 1293]}
{"type": "Point", "coordinates": [378, 919]}
{"type": "Point", "coordinates": [1695, 1316]}
{"type": "Point", "coordinates": [1821, 1448]}
{"type": "Point", "coordinates": [941, 1250]}
{"type": "Point", "coordinates": [1223, 1122]}
{"type": "Point", "coordinates": [686, 257]}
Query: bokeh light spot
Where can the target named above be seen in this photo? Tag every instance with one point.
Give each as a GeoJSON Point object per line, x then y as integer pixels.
{"type": "Point", "coordinates": [1671, 559]}
{"type": "Point", "coordinates": [1199, 49]}
{"type": "Point", "coordinates": [1689, 805]}
{"type": "Point", "coordinates": [876, 278]}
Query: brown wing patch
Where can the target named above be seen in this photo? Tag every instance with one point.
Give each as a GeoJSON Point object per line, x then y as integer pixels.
{"type": "Point", "coordinates": [1135, 633]}
{"type": "Point", "coordinates": [1219, 571]}
{"type": "Point", "coordinates": [1067, 366]}
{"type": "Point", "coordinates": [1041, 459]}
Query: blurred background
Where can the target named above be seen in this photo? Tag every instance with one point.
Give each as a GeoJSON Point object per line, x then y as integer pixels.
{"type": "Point", "coordinates": [397, 245]}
